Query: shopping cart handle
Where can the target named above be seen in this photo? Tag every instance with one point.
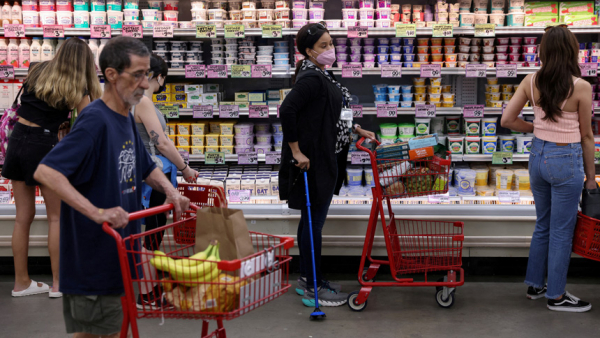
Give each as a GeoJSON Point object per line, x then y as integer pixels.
{"type": "Point", "coordinates": [360, 142]}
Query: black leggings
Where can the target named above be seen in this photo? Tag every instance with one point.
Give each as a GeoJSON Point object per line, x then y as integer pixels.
{"type": "Point", "coordinates": [152, 242]}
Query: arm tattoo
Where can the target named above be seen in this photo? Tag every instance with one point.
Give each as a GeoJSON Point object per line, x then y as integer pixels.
{"type": "Point", "coordinates": [154, 137]}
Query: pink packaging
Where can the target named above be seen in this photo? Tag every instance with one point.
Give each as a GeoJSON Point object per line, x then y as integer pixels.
{"type": "Point", "coordinates": [356, 57]}
{"type": "Point", "coordinates": [368, 64]}
{"type": "Point", "coordinates": [355, 49]}
{"type": "Point", "coordinates": [384, 3]}
{"type": "Point", "coordinates": [530, 40]}
{"type": "Point", "coordinates": [342, 56]}
{"type": "Point", "coordinates": [513, 49]}
{"type": "Point", "coordinates": [366, 14]}
{"type": "Point", "coordinates": [501, 56]}
{"type": "Point", "coordinates": [516, 40]}
{"type": "Point", "coordinates": [366, 4]}
{"type": "Point", "coordinates": [383, 14]}
{"type": "Point", "coordinates": [341, 63]}
{"type": "Point", "coordinates": [316, 14]}
{"type": "Point", "coordinates": [341, 49]}
{"type": "Point", "coordinates": [299, 4]}
{"type": "Point", "coordinates": [350, 14]}
{"type": "Point", "coordinates": [64, 5]}
{"type": "Point", "coordinates": [244, 140]}
{"type": "Point", "coordinates": [47, 6]}
{"type": "Point", "coordinates": [355, 42]}
{"type": "Point", "coordinates": [530, 49]}
{"type": "Point", "coordinates": [503, 41]}
{"type": "Point", "coordinates": [348, 3]}
{"type": "Point", "coordinates": [369, 57]}
{"type": "Point", "coordinates": [263, 139]}
{"type": "Point", "coordinates": [514, 57]}
{"type": "Point", "coordinates": [502, 49]}
{"type": "Point", "coordinates": [241, 149]}
{"type": "Point", "coordinates": [299, 23]}
{"type": "Point", "coordinates": [369, 49]}
{"type": "Point", "coordinates": [519, 63]}
{"type": "Point", "coordinates": [299, 14]}
{"type": "Point", "coordinates": [29, 5]}
{"type": "Point", "coordinates": [243, 128]}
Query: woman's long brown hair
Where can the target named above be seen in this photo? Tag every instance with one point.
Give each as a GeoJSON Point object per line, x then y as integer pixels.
{"type": "Point", "coordinates": [558, 52]}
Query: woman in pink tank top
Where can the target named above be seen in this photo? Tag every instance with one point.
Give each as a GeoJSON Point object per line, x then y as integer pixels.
{"type": "Point", "coordinates": [561, 152]}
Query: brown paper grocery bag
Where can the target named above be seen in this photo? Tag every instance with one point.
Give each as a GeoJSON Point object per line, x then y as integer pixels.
{"type": "Point", "coordinates": [228, 226]}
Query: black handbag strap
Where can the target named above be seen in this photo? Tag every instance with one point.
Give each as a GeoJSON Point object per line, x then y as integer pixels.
{"type": "Point", "coordinates": [18, 95]}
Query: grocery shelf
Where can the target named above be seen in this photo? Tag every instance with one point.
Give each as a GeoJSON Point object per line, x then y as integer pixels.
{"type": "Point", "coordinates": [177, 32]}
{"type": "Point", "coordinates": [486, 158]}
{"type": "Point", "coordinates": [444, 71]}
{"type": "Point", "coordinates": [228, 158]}
{"type": "Point", "coordinates": [275, 72]}
{"type": "Point", "coordinates": [243, 112]}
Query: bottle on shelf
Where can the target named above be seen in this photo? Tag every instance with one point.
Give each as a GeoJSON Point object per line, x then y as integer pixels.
{"type": "Point", "coordinates": [16, 13]}
{"type": "Point", "coordinates": [35, 50]}
{"type": "Point", "coordinates": [6, 13]}
{"type": "Point", "coordinates": [93, 44]}
{"type": "Point", "coordinates": [103, 43]}
{"type": "Point", "coordinates": [3, 52]}
{"type": "Point", "coordinates": [24, 54]}
{"type": "Point", "coordinates": [47, 50]}
{"type": "Point", "coordinates": [13, 53]}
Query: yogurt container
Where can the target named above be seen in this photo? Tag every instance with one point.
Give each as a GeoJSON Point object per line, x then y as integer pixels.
{"type": "Point", "coordinates": [489, 126]}
{"type": "Point", "coordinates": [456, 144]}
{"type": "Point", "coordinates": [422, 126]}
{"type": "Point", "coordinates": [516, 19]}
{"type": "Point", "coordinates": [504, 179]}
{"type": "Point", "coordinates": [472, 126]}
{"type": "Point", "coordinates": [507, 143]}
{"type": "Point", "coordinates": [524, 144]}
{"type": "Point", "coordinates": [406, 129]}
{"type": "Point", "coordinates": [453, 125]}
{"type": "Point", "coordinates": [472, 145]}
{"type": "Point", "coordinates": [521, 180]}
{"type": "Point", "coordinates": [488, 144]}
{"type": "Point", "coordinates": [465, 179]}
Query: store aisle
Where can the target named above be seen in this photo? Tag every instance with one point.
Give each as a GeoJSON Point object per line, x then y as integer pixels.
{"type": "Point", "coordinates": [481, 310]}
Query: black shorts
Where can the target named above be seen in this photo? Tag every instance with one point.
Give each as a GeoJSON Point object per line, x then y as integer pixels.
{"type": "Point", "coordinates": [27, 146]}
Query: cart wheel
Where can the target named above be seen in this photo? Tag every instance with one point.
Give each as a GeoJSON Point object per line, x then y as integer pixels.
{"type": "Point", "coordinates": [364, 278]}
{"type": "Point", "coordinates": [352, 302]}
{"type": "Point", "coordinates": [438, 288]}
{"type": "Point", "coordinates": [445, 303]}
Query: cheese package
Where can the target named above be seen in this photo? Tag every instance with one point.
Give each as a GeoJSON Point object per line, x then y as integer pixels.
{"type": "Point", "coordinates": [580, 20]}
{"type": "Point", "coordinates": [273, 95]}
{"type": "Point", "coordinates": [178, 88]}
{"type": "Point", "coordinates": [256, 96]}
{"type": "Point", "coordinates": [183, 129]}
{"type": "Point", "coordinates": [178, 97]}
{"type": "Point", "coordinates": [196, 150]}
{"type": "Point", "coordinates": [283, 93]}
{"type": "Point", "coordinates": [183, 140]}
{"type": "Point", "coordinates": [226, 140]}
{"type": "Point", "coordinates": [540, 21]}
{"type": "Point", "coordinates": [227, 128]}
{"type": "Point", "coordinates": [576, 8]}
{"type": "Point", "coordinates": [210, 98]}
{"type": "Point", "coordinates": [211, 88]}
{"type": "Point", "coordinates": [541, 8]}
{"type": "Point", "coordinates": [197, 140]}
{"type": "Point", "coordinates": [194, 89]}
{"type": "Point", "coordinates": [215, 127]}
{"type": "Point", "coordinates": [160, 97]}
{"type": "Point", "coordinates": [241, 97]}
{"type": "Point", "coordinates": [198, 128]}
{"type": "Point", "coordinates": [212, 139]}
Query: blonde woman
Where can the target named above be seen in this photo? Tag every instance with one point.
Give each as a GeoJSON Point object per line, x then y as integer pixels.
{"type": "Point", "coordinates": [50, 92]}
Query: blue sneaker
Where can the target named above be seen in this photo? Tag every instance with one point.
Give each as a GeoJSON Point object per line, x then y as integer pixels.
{"type": "Point", "coordinates": [327, 297]}
{"type": "Point", "coordinates": [302, 285]}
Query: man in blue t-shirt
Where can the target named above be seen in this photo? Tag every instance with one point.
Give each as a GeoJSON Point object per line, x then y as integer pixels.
{"type": "Point", "coordinates": [97, 170]}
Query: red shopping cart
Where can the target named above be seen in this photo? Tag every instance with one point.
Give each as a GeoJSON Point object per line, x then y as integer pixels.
{"type": "Point", "coordinates": [586, 240]}
{"type": "Point", "coordinates": [413, 247]}
{"type": "Point", "coordinates": [202, 196]}
{"type": "Point", "coordinates": [206, 289]}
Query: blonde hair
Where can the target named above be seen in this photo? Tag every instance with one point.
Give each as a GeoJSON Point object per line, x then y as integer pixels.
{"type": "Point", "coordinates": [64, 81]}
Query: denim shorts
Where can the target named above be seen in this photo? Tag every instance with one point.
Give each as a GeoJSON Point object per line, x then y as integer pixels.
{"type": "Point", "coordinates": [99, 315]}
{"type": "Point", "coordinates": [27, 146]}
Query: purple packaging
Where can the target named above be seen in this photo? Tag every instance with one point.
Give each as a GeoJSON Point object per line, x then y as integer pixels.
{"type": "Point", "coordinates": [369, 57]}
{"type": "Point", "coordinates": [529, 57]}
{"type": "Point", "coordinates": [369, 49]}
{"type": "Point", "coordinates": [382, 58]}
{"type": "Point", "coordinates": [341, 49]}
{"type": "Point", "coordinates": [355, 42]}
{"type": "Point", "coordinates": [342, 57]}
{"type": "Point", "coordinates": [355, 49]}
{"type": "Point", "coordinates": [395, 49]}
{"type": "Point", "coordinates": [369, 41]}
{"type": "Point", "coordinates": [395, 41]}
{"type": "Point", "coordinates": [355, 57]}
{"type": "Point", "coordinates": [382, 49]}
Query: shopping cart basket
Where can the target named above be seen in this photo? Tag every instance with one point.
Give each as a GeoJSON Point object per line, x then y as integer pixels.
{"type": "Point", "coordinates": [586, 240]}
{"type": "Point", "coordinates": [413, 247]}
{"type": "Point", "coordinates": [209, 289]}
{"type": "Point", "coordinates": [202, 196]}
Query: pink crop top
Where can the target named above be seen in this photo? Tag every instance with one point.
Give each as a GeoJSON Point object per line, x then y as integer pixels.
{"type": "Point", "coordinates": [564, 130]}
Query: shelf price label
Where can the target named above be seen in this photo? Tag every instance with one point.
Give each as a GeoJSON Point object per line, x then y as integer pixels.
{"type": "Point", "coordinates": [438, 199]}
{"type": "Point", "coordinates": [240, 71]}
{"type": "Point", "coordinates": [359, 157]}
{"type": "Point", "coordinates": [473, 110]}
{"type": "Point", "coordinates": [162, 31]}
{"type": "Point", "coordinates": [195, 71]}
{"type": "Point", "coordinates": [234, 31]}
{"type": "Point", "coordinates": [273, 157]}
{"type": "Point", "coordinates": [393, 71]}
{"type": "Point", "coordinates": [486, 30]}
{"type": "Point", "coordinates": [238, 196]}
{"type": "Point", "coordinates": [14, 31]}
{"type": "Point", "coordinates": [357, 110]}
{"type": "Point", "coordinates": [229, 112]}
{"type": "Point", "coordinates": [203, 112]}
{"type": "Point", "coordinates": [387, 110]}
{"type": "Point", "coordinates": [258, 112]}
{"type": "Point", "coordinates": [262, 71]}
{"type": "Point", "coordinates": [206, 31]}
{"type": "Point", "coordinates": [509, 196]}
{"type": "Point", "coordinates": [352, 71]}
{"type": "Point", "coordinates": [358, 32]}
{"type": "Point", "coordinates": [54, 31]}
{"type": "Point", "coordinates": [271, 31]}
{"type": "Point", "coordinates": [7, 72]}
{"type": "Point", "coordinates": [502, 157]}
{"type": "Point", "coordinates": [425, 110]}
{"type": "Point", "coordinates": [135, 31]}
{"type": "Point", "coordinates": [214, 158]}
{"type": "Point", "coordinates": [406, 30]}
{"type": "Point", "coordinates": [216, 71]}
{"type": "Point", "coordinates": [431, 70]}
{"type": "Point", "coordinates": [506, 70]}
{"type": "Point", "coordinates": [4, 197]}
{"type": "Point", "coordinates": [248, 158]}
{"type": "Point", "coordinates": [442, 31]}
{"type": "Point", "coordinates": [170, 112]}
{"type": "Point", "coordinates": [476, 70]}
{"type": "Point", "coordinates": [589, 69]}
{"type": "Point", "coordinates": [100, 32]}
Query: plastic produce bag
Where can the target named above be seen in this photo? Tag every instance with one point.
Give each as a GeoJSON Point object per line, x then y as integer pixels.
{"type": "Point", "coordinates": [590, 202]}
{"type": "Point", "coordinates": [393, 174]}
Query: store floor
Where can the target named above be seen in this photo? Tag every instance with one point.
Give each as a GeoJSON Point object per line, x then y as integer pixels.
{"type": "Point", "coordinates": [481, 309]}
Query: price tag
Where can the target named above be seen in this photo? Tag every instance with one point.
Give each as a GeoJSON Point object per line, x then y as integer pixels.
{"type": "Point", "coordinates": [438, 199]}
{"type": "Point", "coordinates": [406, 30]}
{"type": "Point", "coordinates": [4, 197]}
{"type": "Point", "coordinates": [216, 71]}
{"type": "Point", "coordinates": [356, 110]}
{"type": "Point", "coordinates": [185, 156]}
{"type": "Point", "coordinates": [431, 70]}
{"type": "Point", "coordinates": [100, 32]}
{"type": "Point", "coordinates": [214, 158]}
{"type": "Point", "coordinates": [442, 31]}
{"type": "Point", "coordinates": [195, 71]}
{"type": "Point", "coordinates": [473, 110]}
{"type": "Point", "coordinates": [271, 31]}
{"type": "Point", "coordinates": [203, 112]}
{"type": "Point", "coordinates": [502, 157]}
{"type": "Point", "coordinates": [387, 110]}
{"type": "Point", "coordinates": [506, 70]}
{"type": "Point", "coordinates": [135, 31]}
{"type": "Point", "coordinates": [248, 158]}
{"type": "Point", "coordinates": [425, 110]}
{"type": "Point", "coordinates": [14, 31]}
{"type": "Point", "coordinates": [240, 71]}
{"type": "Point", "coordinates": [273, 157]}
{"type": "Point", "coordinates": [54, 31]}
{"type": "Point", "coordinates": [589, 69]}
{"type": "Point", "coordinates": [7, 72]}
{"type": "Point", "coordinates": [238, 196]}
{"type": "Point", "coordinates": [234, 31]}
{"type": "Point", "coordinates": [229, 112]}
{"type": "Point", "coordinates": [476, 70]}
{"type": "Point", "coordinates": [171, 112]}
{"type": "Point", "coordinates": [262, 71]}
{"type": "Point", "coordinates": [352, 71]}
{"type": "Point", "coordinates": [394, 71]}
{"type": "Point", "coordinates": [162, 31]}
{"type": "Point", "coordinates": [358, 32]}
{"type": "Point", "coordinates": [486, 30]}
{"type": "Point", "coordinates": [509, 196]}
{"type": "Point", "coordinates": [360, 157]}
{"type": "Point", "coordinates": [258, 112]}
{"type": "Point", "coordinates": [206, 31]}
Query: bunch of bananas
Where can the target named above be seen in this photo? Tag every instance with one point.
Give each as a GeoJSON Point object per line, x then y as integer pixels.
{"type": "Point", "coordinates": [201, 267]}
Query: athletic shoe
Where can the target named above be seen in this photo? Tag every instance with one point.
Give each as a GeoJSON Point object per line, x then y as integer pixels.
{"type": "Point", "coordinates": [152, 300]}
{"type": "Point", "coordinates": [302, 285]}
{"type": "Point", "coordinates": [327, 297]}
{"type": "Point", "coordinates": [535, 293]}
{"type": "Point", "coordinates": [569, 303]}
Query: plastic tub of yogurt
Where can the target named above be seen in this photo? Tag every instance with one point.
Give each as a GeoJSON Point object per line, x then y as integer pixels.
{"type": "Point", "coordinates": [507, 143]}
{"type": "Point", "coordinates": [524, 144]}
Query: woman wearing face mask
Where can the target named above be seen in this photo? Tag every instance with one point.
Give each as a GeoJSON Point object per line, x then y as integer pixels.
{"type": "Point", "coordinates": [316, 135]}
{"type": "Point", "coordinates": [152, 127]}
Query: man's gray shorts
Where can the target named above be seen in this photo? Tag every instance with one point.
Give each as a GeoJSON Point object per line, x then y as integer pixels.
{"type": "Point", "coordinates": [99, 315]}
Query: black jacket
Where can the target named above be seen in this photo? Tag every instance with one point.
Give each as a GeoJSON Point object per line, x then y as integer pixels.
{"type": "Point", "coordinates": [309, 115]}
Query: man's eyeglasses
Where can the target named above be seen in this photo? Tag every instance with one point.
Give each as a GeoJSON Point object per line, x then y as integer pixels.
{"type": "Point", "coordinates": [316, 27]}
{"type": "Point", "coordinates": [550, 27]}
{"type": "Point", "coordinates": [139, 76]}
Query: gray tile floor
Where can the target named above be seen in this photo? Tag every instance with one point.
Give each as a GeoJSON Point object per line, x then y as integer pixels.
{"type": "Point", "coordinates": [482, 309]}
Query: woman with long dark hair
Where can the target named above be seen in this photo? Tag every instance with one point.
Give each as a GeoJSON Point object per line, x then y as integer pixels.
{"type": "Point", "coordinates": [316, 135]}
{"type": "Point", "coordinates": [562, 155]}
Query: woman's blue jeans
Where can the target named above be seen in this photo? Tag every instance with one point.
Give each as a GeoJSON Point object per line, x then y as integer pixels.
{"type": "Point", "coordinates": [556, 176]}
